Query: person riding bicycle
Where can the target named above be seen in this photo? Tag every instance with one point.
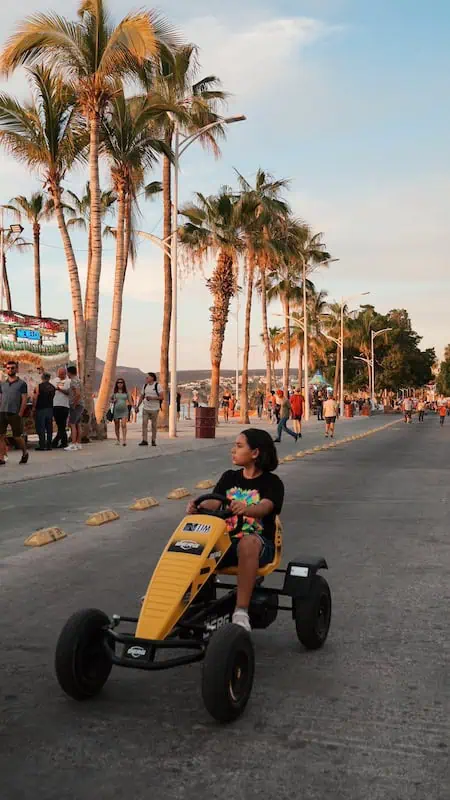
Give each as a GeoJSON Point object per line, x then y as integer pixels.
{"type": "Point", "coordinates": [256, 497]}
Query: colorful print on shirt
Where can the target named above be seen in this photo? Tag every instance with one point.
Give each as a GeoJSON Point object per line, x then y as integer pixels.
{"type": "Point", "coordinates": [250, 497]}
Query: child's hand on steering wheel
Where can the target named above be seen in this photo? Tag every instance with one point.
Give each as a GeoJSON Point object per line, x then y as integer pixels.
{"type": "Point", "coordinates": [238, 507]}
{"type": "Point", "coordinates": [192, 507]}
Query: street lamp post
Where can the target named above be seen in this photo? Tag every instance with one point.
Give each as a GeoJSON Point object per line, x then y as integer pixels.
{"type": "Point", "coordinates": [181, 145]}
{"type": "Point", "coordinates": [345, 300]}
{"type": "Point", "coordinates": [373, 336]}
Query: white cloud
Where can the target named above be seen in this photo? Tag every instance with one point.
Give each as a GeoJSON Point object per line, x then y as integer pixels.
{"type": "Point", "coordinates": [254, 59]}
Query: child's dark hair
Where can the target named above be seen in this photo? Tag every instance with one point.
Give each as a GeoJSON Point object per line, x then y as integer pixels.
{"type": "Point", "coordinates": [260, 440]}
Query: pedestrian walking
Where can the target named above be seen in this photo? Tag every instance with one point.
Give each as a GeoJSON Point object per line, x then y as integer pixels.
{"type": "Point", "coordinates": [421, 410]}
{"type": "Point", "coordinates": [13, 403]}
{"type": "Point", "coordinates": [151, 399]}
{"type": "Point", "coordinates": [121, 407]}
{"type": "Point", "coordinates": [407, 409]}
{"type": "Point", "coordinates": [178, 406]}
{"type": "Point", "coordinates": [61, 407]}
{"type": "Point", "coordinates": [43, 411]}
{"type": "Point", "coordinates": [285, 413]}
{"type": "Point", "coordinates": [330, 409]}
{"type": "Point", "coordinates": [226, 401]}
{"type": "Point", "coordinates": [442, 414]}
{"type": "Point", "coordinates": [297, 404]}
{"type": "Point", "coordinates": [76, 408]}
{"type": "Point", "coordinates": [320, 407]}
{"type": "Point", "coordinates": [195, 399]}
{"type": "Point", "coordinates": [277, 397]}
{"type": "Point", "coordinates": [259, 404]}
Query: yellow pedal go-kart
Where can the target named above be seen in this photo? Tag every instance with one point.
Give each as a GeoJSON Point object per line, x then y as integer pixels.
{"type": "Point", "coordinates": [186, 617]}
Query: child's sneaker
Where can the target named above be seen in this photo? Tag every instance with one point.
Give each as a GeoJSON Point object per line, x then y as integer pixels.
{"type": "Point", "coordinates": [240, 617]}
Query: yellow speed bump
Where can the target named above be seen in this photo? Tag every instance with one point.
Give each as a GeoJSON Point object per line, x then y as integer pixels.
{"type": "Point", "coordinates": [143, 504]}
{"type": "Point", "coordinates": [300, 454]}
{"type": "Point", "coordinates": [205, 485]}
{"type": "Point", "coordinates": [101, 517]}
{"type": "Point", "coordinates": [178, 494]}
{"type": "Point", "coordinates": [288, 459]}
{"type": "Point", "coordinates": [45, 536]}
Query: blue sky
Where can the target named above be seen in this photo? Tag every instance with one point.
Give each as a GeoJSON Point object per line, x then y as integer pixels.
{"type": "Point", "coordinates": [347, 98]}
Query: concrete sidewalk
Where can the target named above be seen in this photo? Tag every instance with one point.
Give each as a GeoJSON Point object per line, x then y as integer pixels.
{"type": "Point", "coordinates": [100, 454]}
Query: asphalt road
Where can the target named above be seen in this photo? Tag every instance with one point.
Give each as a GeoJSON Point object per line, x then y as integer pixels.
{"type": "Point", "coordinates": [367, 717]}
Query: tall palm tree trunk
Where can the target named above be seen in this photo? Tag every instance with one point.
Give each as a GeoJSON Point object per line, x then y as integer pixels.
{"type": "Point", "coordinates": [93, 278]}
{"type": "Point", "coordinates": [248, 315]}
{"type": "Point", "coordinates": [222, 286]}
{"type": "Point", "coordinates": [109, 370]}
{"type": "Point", "coordinates": [74, 279]}
{"type": "Point", "coordinates": [167, 307]}
{"type": "Point", "coordinates": [37, 268]}
{"type": "Point", "coordinates": [287, 339]}
{"type": "Point", "coordinates": [266, 327]}
{"type": "Point", "coordinates": [6, 286]}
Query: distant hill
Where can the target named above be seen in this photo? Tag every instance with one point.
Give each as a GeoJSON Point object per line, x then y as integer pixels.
{"type": "Point", "coordinates": [135, 377]}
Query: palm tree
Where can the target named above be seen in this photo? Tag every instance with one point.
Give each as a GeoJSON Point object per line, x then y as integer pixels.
{"type": "Point", "coordinates": [6, 286]}
{"type": "Point", "coordinates": [259, 207]}
{"type": "Point", "coordinates": [10, 242]}
{"type": "Point", "coordinates": [213, 227]}
{"type": "Point", "coordinates": [93, 55]}
{"type": "Point", "coordinates": [131, 149]}
{"type": "Point", "coordinates": [79, 210]}
{"type": "Point", "coordinates": [284, 286]}
{"type": "Point", "coordinates": [44, 134]}
{"type": "Point", "coordinates": [193, 103]}
{"type": "Point", "coordinates": [317, 319]}
{"type": "Point", "coordinates": [333, 328]}
{"type": "Point", "coordinates": [34, 209]}
{"type": "Point", "coordinates": [275, 339]}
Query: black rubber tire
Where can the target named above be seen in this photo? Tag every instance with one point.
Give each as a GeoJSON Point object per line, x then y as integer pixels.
{"type": "Point", "coordinates": [226, 693]}
{"type": "Point", "coordinates": [313, 614]}
{"type": "Point", "coordinates": [82, 663]}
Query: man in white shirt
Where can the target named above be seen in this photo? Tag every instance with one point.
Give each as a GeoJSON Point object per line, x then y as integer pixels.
{"type": "Point", "coordinates": [151, 398]}
{"type": "Point", "coordinates": [407, 409]}
{"type": "Point", "coordinates": [61, 407]}
{"type": "Point", "coordinates": [330, 408]}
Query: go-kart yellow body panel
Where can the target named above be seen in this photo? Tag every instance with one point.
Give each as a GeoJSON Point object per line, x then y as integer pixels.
{"type": "Point", "coordinates": [187, 562]}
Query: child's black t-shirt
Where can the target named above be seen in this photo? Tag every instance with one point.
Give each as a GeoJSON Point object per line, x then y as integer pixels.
{"type": "Point", "coordinates": [266, 486]}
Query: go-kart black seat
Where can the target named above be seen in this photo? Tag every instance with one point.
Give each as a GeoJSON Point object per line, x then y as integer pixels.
{"type": "Point", "coordinates": [264, 571]}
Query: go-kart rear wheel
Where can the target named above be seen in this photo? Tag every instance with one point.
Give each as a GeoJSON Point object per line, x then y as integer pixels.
{"type": "Point", "coordinates": [312, 614]}
{"type": "Point", "coordinates": [228, 671]}
{"type": "Point", "coordinates": [82, 663]}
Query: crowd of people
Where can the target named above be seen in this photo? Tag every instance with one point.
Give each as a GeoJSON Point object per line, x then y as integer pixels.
{"type": "Point", "coordinates": [54, 404]}
{"type": "Point", "coordinates": [57, 405]}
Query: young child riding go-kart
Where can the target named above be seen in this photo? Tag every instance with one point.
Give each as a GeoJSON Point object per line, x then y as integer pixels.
{"type": "Point", "coordinates": [255, 497]}
{"type": "Point", "coordinates": [189, 612]}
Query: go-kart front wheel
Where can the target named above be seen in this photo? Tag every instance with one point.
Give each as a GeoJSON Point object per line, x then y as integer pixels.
{"type": "Point", "coordinates": [228, 671]}
{"type": "Point", "coordinates": [82, 663]}
{"type": "Point", "coordinates": [312, 614]}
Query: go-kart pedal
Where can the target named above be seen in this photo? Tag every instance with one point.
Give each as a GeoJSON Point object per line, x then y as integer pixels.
{"type": "Point", "coordinates": [187, 615]}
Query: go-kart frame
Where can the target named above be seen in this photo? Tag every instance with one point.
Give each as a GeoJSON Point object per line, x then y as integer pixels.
{"type": "Point", "coordinates": [206, 615]}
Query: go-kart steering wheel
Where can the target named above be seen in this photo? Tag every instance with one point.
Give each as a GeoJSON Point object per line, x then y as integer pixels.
{"type": "Point", "coordinates": [223, 512]}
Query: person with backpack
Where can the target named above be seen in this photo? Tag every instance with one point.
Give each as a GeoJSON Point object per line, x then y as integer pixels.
{"type": "Point", "coordinates": [151, 399]}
